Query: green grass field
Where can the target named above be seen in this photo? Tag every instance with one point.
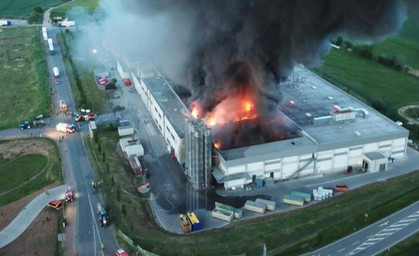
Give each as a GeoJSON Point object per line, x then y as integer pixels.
{"type": "Point", "coordinates": [291, 233]}
{"type": "Point", "coordinates": [409, 247]}
{"type": "Point", "coordinates": [21, 170]}
{"type": "Point", "coordinates": [22, 8]}
{"type": "Point", "coordinates": [371, 82]}
{"type": "Point", "coordinates": [404, 50]}
{"type": "Point", "coordinates": [410, 29]}
{"type": "Point", "coordinates": [62, 11]}
{"type": "Point", "coordinates": [24, 82]}
{"type": "Point", "coordinates": [18, 168]}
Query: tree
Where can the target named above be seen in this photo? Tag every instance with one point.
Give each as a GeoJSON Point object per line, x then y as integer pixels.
{"type": "Point", "coordinates": [38, 9]}
{"type": "Point", "coordinates": [124, 211]}
{"type": "Point", "coordinates": [118, 194]}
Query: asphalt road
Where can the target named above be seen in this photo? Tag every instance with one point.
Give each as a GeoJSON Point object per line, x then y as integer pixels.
{"type": "Point", "coordinates": [89, 236]}
{"type": "Point", "coordinates": [377, 237]}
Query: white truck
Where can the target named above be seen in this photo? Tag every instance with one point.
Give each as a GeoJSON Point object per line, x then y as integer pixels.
{"type": "Point", "coordinates": [56, 71]}
{"type": "Point", "coordinates": [50, 45]}
{"type": "Point", "coordinates": [44, 33]}
{"type": "Point", "coordinates": [125, 128]}
{"type": "Point", "coordinates": [64, 127]}
{"type": "Point", "coordinates": [4, 23]}
{"type": "Point", "coordinates": [67, 23]}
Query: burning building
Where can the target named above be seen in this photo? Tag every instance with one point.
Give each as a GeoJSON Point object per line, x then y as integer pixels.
{"type": "Point", "coordinates": [317, 129]}
{"type": "Point", "coordinates": [269, 118]}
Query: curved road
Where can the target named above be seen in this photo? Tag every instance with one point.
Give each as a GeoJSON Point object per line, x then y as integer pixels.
{"type": "Point", "coordinates": [28, 214]}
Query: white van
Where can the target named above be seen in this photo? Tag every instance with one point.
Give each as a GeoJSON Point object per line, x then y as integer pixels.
{"type": "Point", "coordinates": [56, 72]}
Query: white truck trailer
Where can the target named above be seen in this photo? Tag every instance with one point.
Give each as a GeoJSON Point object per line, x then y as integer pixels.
{"type": "Point", "coordinates": [55, 71]}
{"type": "Point", "coordinates": [5, 23]}
{"type": "Point", "coordinates": [67, 23]}
{"type": "Point", "coordinates": [50, 45]}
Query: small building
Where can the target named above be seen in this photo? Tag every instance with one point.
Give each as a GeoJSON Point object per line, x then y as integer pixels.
{"type": "Point", "coordinates": [374, 162]}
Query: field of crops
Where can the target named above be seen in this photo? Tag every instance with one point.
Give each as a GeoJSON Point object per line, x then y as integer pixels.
{"type": "Point", "coordinates": [22, 8]}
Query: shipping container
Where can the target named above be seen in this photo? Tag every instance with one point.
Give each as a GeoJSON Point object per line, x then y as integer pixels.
{"type": "Point", "coordinates": [306, 196]}
{"type": "Point", "coordinates": [255, 207]}
{"type": "Point", "coordinates": [237, 212]}
{"type": "Point", "coordinates": [270, 205]}
{"type": "Point", "coordinates": [293, 200]}
{"type": "Point", "coordinates": [185, 224]}
{"type": "Point", "coordinates": [222, 214]}
{"type": "Point", "coordinates": [196, 224]}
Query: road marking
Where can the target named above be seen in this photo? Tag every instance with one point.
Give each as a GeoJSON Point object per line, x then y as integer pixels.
{"type": "Point", "coordinates": [399, 225]}
{"type": "Point", "coordinates": [392, 229]}
{"type": "Point", "coordinates": [414, 215]}
{"type": "Point", "coordinates": [95, 222]}
{"type": "Point", "coordinates": [383, 234]}
{"type": "Point", "coordinates": [368, 243]}
{"type": "Point", "coordinates": [341, 249]}
{"type": "Point", "coordinates": [376, 239]}
{"type": "Point", "coordinates": [408, 220]}
{"type": "Point", "coordinates": [384, 224]}
{"type": "Point", "coordinates": [355, 243]}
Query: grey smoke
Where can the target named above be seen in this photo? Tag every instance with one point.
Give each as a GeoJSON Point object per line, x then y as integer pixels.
{"type": "Point", "coordinates": [218, 47]}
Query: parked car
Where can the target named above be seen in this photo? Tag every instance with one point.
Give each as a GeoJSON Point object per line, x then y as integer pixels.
{"type": "Point", "coordinates": [56, 204]}
{"type": "Point", "coordinates": [85, 117]}
{"type": "Point", "coordinates": [121, 252]}
{"type": "Point", "coordinates": [25, 125]}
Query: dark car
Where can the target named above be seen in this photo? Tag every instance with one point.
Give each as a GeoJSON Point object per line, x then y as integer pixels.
{"type": "Point", "coordinates": [104, 218]}
{"type": "Point", "coordinates": [25, 125]}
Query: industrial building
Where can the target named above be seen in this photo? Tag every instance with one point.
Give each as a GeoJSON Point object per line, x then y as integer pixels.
{"type": "Point", "coordinates": [336, 131]}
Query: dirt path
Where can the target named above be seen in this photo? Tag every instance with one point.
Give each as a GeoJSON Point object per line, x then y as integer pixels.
{"type": "Point", "coordinates": [410, 120]}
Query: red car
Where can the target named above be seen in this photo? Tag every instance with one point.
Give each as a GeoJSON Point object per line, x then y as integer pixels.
{"type": "Point", "coordinates": [56, 204]}
{"type": "Point", "coordinates": [121, 252]}
{"type": "Point", "coordinates": [85, 117]}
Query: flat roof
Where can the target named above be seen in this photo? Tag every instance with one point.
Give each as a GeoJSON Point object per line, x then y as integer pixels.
{"type": "Point", "coordinates": [374, 155]}
{"type": "Point", "coordinates": [314, 97]}
{"type": "Point", "coordinates": [306, 97]}
{"type": "Point", "coordinates": [173, 108]}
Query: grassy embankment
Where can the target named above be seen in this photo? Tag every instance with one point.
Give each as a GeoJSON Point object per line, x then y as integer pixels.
{"type": "Point", "coordinates": [24, 79]}
{"type": "Point", "coordinates": [62, 11]}
{"type": "Point", "coordinates": [289, 233]}
{"type": "Point", "coordinates": [21, 9]}
{"type": "Point", "coordinates": [16, 169]}
{"type": "Point", "coordinates": [80, 74]}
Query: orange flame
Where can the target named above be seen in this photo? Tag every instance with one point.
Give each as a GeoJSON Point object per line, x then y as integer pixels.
{"type": "Point", "coordinates": [195, 109]}
{"type": "Point", "coordinates": [217, 144]}
{"type": "Point", "coordinates": [232, 109]}
{"type": "Point", "coordinates": [195, 112]}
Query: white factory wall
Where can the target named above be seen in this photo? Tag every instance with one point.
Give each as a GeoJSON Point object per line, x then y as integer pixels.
{"type": "Point", "coordinates": [159, 118]}
{"type": "Point", "coordinates": [142, 90]}
{"type": "Point", "coordinates": [121, 71]}
{"type": "Point", "coordinates": [157, 114]}
{"type": "Point", "coordinates": [336, 160]}
{"type": "Point", "coordinates": [173, 139]}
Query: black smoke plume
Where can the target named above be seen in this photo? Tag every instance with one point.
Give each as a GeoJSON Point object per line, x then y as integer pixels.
{"type": "Point", "coordinates": [228, 44]}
